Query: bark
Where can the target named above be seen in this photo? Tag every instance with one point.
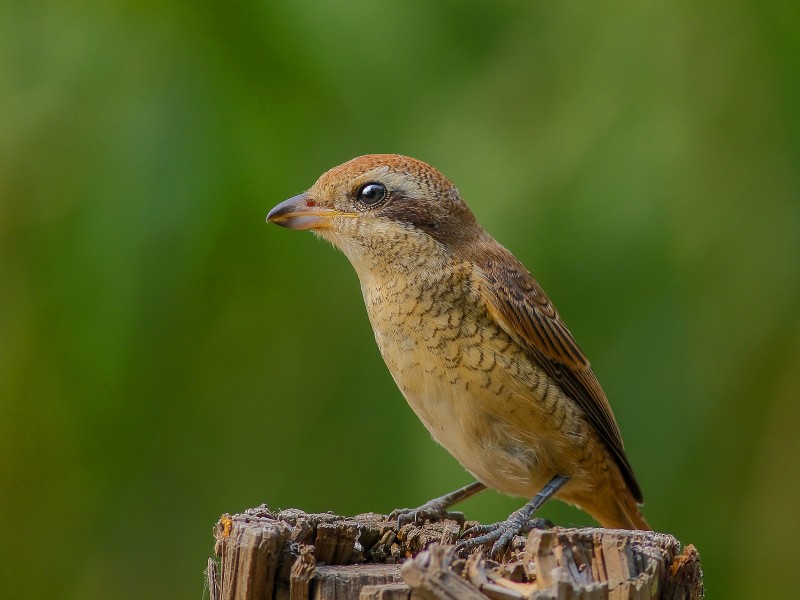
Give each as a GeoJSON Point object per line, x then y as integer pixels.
{"type": "Point", "coordinates": [263, 555]}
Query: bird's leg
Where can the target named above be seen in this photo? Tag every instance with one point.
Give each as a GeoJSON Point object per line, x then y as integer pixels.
{"type": "Point", "coordinates": [436, 509]}
{"type": "Point", "coordinates": [503, 532]}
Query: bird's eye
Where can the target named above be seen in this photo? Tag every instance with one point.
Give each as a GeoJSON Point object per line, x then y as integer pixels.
{"type": "Point", "coordinates": [370, 194]}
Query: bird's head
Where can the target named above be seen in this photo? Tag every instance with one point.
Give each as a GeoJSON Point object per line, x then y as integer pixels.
{"type": "Point", "coordinates": [382, 208]}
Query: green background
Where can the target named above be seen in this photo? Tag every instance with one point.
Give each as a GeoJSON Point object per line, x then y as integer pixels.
{"type": "Point", "coordinates": [165, 356]}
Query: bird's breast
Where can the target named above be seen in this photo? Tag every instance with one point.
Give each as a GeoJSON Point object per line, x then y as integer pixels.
{"type": "Point", "coordinates": [474, 389]}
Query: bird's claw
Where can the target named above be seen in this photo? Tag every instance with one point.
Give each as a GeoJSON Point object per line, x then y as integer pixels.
{"type": "Point", "coordinates": [501, 533]}
{"type": "Point", "coordinates": [430, 511]}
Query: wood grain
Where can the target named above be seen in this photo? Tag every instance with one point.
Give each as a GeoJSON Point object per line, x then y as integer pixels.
{"type": "Point", "coordinates": [294, 555]}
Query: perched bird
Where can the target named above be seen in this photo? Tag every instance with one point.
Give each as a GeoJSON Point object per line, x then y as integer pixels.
{"type": "Point", "coordinates": [473, 343]}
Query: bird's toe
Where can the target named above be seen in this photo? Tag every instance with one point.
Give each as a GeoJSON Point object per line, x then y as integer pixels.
{"type": "Point", "coordinates": [500, 534]}
{"type": "Point", "coordinates": [430, 511]}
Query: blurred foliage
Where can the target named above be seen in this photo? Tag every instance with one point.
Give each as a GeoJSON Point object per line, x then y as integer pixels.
{"type": "Point", "coordinates": [166, 357]}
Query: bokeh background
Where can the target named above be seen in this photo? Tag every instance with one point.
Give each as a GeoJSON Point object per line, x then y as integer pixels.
{"type": "Point", "coordinates": [165, 356]}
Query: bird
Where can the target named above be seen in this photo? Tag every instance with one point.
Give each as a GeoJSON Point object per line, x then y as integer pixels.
{"type": "Point", "coordinates": [475, 346]}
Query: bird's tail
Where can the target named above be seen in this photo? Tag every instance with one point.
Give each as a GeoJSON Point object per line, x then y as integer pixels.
{"type": "Point", "coordinates": [611, 503]}
{"type": "Point", "coordinates": [621, 509]}
{"type": "Point", "coordinates": [628, 515]}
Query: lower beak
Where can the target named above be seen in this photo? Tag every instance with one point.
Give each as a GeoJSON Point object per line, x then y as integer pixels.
{"type": "Point", "coordinates": [300, 212]}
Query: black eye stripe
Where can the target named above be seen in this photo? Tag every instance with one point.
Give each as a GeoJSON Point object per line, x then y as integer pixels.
{"type": "Point", "coordinates": [371, 193]}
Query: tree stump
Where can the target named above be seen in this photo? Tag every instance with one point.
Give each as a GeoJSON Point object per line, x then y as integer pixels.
{"type": "Point", "coordinates": [293, 555]}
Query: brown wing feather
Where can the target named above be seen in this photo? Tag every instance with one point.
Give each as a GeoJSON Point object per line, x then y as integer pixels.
{"type": "Point", "coordinates": [519, 305]}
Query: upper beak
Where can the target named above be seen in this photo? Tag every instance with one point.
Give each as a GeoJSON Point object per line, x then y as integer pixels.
{"type": "Point", "coordinates": [301, 212]}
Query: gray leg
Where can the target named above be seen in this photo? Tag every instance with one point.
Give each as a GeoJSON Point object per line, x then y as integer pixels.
{"type": "Point", "coordinates": [503, 532]}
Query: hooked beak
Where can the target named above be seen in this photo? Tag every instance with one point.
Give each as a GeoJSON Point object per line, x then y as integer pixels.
{"type": "Point", "coordinates": [301, 212]}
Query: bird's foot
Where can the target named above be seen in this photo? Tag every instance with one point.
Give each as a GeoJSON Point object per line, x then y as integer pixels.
{"type": "Point", "coordinates": [434, 510]}
{"type": "Point", "coordinates": [500, 533]}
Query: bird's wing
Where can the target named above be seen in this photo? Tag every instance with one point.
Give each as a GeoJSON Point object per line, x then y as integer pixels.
{"type": "Point", "coordinates": [516, 301]}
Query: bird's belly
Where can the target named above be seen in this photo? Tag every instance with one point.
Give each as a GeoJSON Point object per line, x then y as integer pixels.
{"type": "Point", "coordinates": [484, 446]}
{"type": "Point", "coordinates": [485, 403]}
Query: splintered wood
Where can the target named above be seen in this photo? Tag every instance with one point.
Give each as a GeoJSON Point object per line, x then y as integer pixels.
{"type": "Point", "coordinates": [298, 556]}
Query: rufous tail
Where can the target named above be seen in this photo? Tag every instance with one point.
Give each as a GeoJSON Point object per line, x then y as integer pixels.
{"type": "Point", "coordinates": [622, 510]}
{"type": "Point", "coordinates": [630, 517]}
{"type": "Point", "coordinates": [611, 503]}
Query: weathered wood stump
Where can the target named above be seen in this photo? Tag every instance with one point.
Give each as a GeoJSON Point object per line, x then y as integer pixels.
{"type": "Point", "coordinates": [294, 555]}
